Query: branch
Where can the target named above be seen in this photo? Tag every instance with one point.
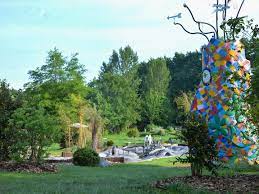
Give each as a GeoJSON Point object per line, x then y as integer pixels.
{"type": "Point", "coordinates": [204, 34]}
{"type": "Point", "coordinates": [199, 22]}
{"type": "Point", "coordinates": [234, 27]}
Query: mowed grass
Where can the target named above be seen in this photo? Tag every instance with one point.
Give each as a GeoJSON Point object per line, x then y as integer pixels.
{"type": "Point", "coordinates": [72, 179]}
{"type": "Point", "coordinates": [118, 179]}
{"type": "Point", "coordinates": [124, 178]}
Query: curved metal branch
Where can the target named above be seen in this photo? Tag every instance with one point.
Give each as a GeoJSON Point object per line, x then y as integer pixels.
{"type": "Point", "coordinates": [234, 27]}
{"type": "Point", "coordinates": [240, 9]}
{"type": "Point", "coordinates": [204, 34]}
{"type": "Point", "coordinates": [199, 22]}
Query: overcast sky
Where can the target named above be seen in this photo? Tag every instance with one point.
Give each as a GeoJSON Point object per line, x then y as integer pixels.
{"type": "Point", "coordinates": [93, 28]}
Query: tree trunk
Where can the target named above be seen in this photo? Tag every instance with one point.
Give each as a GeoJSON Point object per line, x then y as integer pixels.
{"type": "Point", "coordinates": [196, 170]}
{"type": "Point", "coordinates": [81, 142]}
{"type": "Point", "coordinates": [94, 135]}
{"type": "Point", "coordinates": [69, 136]}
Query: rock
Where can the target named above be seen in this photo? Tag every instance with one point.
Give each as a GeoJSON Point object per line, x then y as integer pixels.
{"type": "Point", "coordinates": [104, 163]}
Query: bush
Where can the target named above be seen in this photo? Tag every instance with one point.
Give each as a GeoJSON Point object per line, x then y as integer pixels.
{"type": "Point", "coordinates": [133, 132]}
{"type": "Point", "coordinates": [110, 143]}
{"type": "Point", "coordinates": [35, 130]}
{"type": "Point", "coordinates": [86, 157]}
{"type": "Point", "coordinates": [161, 132]}
{"type": "Point", "coordinates": [152, 127]}
{"type": "Point", "coordinates": [202, 151]}
{"type": "Point", "coordinates": [143, 134]}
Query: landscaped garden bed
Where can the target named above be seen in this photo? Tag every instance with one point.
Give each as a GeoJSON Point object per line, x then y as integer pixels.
{"type": "Point", "coordinates": [27, 167]}
{"type": "Point", "coordinates": [235, 184]}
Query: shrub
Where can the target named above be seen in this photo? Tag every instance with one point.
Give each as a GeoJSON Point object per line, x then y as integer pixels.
{"type": "Point", "coordinates": [35, 130]}
{"type": "Point", "coordinates": [86, 157]}
{"type": "Point", "coordinates": [171, 129]}
{"type": "Point", "coordinates": [143, 134]}
{"type": "Point", "coordinates": [110, 143]}
{"type": "Point", "coordinates": [161, 132]}
{"type": "Point", "coordinates": [151, 127]}
{"type": "Point", "coordinates": [202, 151]}
{"type": "Point", "coordinates": [133, 132]}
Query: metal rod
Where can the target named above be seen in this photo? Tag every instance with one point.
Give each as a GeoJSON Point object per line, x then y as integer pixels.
{"type": "Point", "coordinates": [234, 27]}
{"type": "Point", "coordinates": [240, 8]}
{"type": "Point", "coordinates": [217, 18]}
{"type": "Point", "coordinates": [224, 19]}
{"type": "Point", "coordinates": [199, 22]}
{"type": "Point", "coordinates": [203, 34]}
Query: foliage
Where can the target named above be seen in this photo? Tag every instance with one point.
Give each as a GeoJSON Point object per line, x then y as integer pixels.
{"type": "Point", "coordinates": [240, 27]}
{"type": "Point", "coordinates": [202, 151]}
{"type": "Point", "coordinates": [181, 66]}
{"type": "Point", "coordinates": [34, 129]}
{"type": "Point", "coordinates": [133, 132]}
{"type": "Point", "coordinates": [156, 130]}
{"type": "Point", "coordinates": [117, 85]}
{"type": "Point", "coordinates": [110, 143]}
{"type": "Point", "coordinates": [57, 79]}
{"type": "Point", "coordinates": [86, 157]}
{"type": "Point", "coordinates": [57, 85]}
{"type": "Point", "coordinates": [95, 125]}
{"type": "Point", "coordinates": [9, 101]}
{"type": "Point", "coordinates": [151, 127]}
{"type": "Point", "coordinates": [161, 132]}
{"type": "Point", "coordinates": [155, 78]}
{"type": "Point", "coordinates": [183, 105]}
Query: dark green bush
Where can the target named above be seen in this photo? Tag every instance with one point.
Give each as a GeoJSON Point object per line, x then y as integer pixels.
{"type": "Point", "coordinates": [133, 132]}
{"type": "Point", "coordinates": [152, 127]}
{"type": "Point", "coordinates": [202, 151]}
{"type": "Point", "coordinates": [86, 157]}
{"type": "Point", "coordinates": [110, 143]}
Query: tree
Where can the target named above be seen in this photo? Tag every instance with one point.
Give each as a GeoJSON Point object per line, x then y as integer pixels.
{"type": "Point", "coordinates": [183, 104]}
{"type": "Point", "coordinates": [95, 124]}
{"type": "Point", "coordinates": [66, 120]}
{"type": "Point", "coordinates": [56, 80]}
{"type": "Point", "coordinates": [54, 83]}
{"type": "Point", "coordinates": [202, 149]}
{"type": "Point", "coordinates": [35, 129]}
{"type": "Point", "coordinates": [181, 67]}
{"type": "Point", "coordinates": [154, 87]}
{"type": "Point", "coordinates": [79, 105]}
{"type": "Point", "coordinates": [10, 100]}
{"type": "Point", "coordinates": [118, 86]}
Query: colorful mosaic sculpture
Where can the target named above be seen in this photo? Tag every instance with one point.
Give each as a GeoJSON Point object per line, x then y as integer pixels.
{"type": "Point", "coordinates": [220, 99]}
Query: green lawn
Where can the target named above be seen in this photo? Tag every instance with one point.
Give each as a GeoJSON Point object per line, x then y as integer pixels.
{"type": "Point", "coordinates": [125, 178]}
{"type": "Point", "coordinates": [118, 179]}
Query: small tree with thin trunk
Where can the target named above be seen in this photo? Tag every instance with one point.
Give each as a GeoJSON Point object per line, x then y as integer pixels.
{"type": "Point", "coordinates": [95, 125]}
